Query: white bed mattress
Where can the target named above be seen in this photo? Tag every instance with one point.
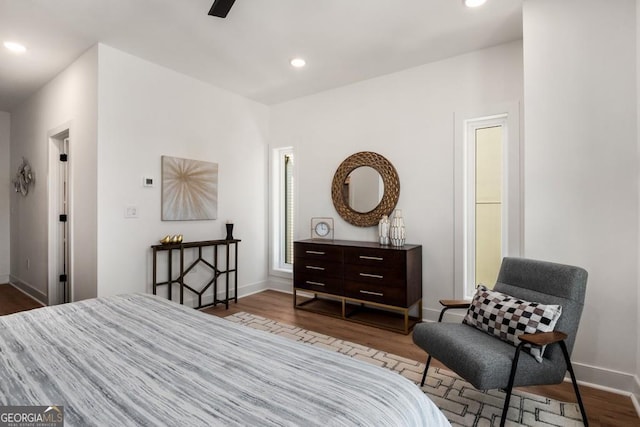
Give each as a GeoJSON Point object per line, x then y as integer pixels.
{"type": "Point", "coordinates": [142, 360]}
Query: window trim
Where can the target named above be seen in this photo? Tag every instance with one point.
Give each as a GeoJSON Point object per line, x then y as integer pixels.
{"type": "Point", "coordinates": [278, 266]}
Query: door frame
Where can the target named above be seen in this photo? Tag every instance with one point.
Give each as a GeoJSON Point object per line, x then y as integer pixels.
{"type": "Point", "coordinates": [54, 140]}
{"type": "Point", "coordinates": [513, 242]}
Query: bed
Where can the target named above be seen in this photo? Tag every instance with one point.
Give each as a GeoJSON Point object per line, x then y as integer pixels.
{"type": "Point", "coordinates": [143, 360]}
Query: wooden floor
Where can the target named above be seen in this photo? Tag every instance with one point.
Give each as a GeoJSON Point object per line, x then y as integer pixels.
{"type": "Point", "coordinates": [12, 300]}
{"type": "Point", "coordinates": [603, 408]}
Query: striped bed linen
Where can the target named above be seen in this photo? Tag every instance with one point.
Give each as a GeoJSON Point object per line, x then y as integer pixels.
{"type": "Point", "coordinates": [133, 360]}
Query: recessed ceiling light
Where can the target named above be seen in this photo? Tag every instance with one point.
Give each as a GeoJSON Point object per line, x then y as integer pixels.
{"type": "Point", "coordinates": [15, 47]}
{"type": "Point", "coordinates": [298, 62]}
{"type": "Point", "coordinates": [474, 3]}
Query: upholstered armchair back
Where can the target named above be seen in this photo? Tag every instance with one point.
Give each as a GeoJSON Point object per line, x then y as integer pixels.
{"type": "Point", "coordinates": [547, 283]}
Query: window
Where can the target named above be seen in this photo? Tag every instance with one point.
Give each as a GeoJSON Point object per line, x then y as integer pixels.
{"type": "Point", "coordinates": [288, 208]}
{"type": "Point", "coordinates": [283, 209]}
{"type": "Point", "coordinates": [487, 208]}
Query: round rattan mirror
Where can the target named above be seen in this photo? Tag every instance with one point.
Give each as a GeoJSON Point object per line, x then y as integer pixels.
{"type": "Point", "coordinates": [390, 188]}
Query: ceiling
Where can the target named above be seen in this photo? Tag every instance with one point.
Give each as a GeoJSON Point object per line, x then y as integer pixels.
{"type": "Point", "coordinates": [343, 41]}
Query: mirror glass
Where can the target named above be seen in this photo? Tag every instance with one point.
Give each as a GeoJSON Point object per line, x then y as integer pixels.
{"type": "Point", "coordinates": [363, 189]}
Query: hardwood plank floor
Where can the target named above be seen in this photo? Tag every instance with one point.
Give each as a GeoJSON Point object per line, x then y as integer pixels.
{"type": "Point", "coordinates": [604, 409]}
{"type": "Point", "coordinates": [12, 300]}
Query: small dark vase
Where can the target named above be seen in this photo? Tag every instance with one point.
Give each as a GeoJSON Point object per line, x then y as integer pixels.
{"type": "Point", "coordinates": [229, 232]}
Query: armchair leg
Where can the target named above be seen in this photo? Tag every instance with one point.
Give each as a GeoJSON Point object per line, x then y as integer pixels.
{"type": "Point", "coordinates": [563, 346]}
{"type": "Point", "coordinates": [426, 368]}
{"type": "Point", "coordinates": [512, 376]}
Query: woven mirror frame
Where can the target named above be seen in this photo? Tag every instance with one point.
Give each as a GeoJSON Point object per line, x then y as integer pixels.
{"type": "Point", "coordinates": [389, 198]}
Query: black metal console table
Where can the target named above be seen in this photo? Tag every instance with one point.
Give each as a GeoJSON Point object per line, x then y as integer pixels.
{"type": "Point", "coordinates": [216, 269]}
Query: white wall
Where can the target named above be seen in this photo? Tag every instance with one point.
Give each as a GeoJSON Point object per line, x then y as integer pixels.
{"type": "Point", "coordinates": [68, 100]}
{"type": "Point", "coordinates": [637, 379]}
{"type": "Point", "coordinates": [146, 111]}
{"type": "Point", "coordinates": [581, 168]}
{"type": "Point", "coordinates": [408, 117]}
{"type": "Point", "coordinates": [5, 188]}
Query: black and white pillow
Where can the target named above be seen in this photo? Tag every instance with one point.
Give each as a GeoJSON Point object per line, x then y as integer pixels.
{"type": "Point", "coordinates": [507, 317]}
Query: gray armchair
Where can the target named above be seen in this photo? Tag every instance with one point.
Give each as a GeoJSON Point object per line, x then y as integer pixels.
{"type": "Point", "coordinates": [488, 362]}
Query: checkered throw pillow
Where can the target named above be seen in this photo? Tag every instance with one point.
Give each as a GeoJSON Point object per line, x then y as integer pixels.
{"type": "Point", "coordinates": [507, 317]}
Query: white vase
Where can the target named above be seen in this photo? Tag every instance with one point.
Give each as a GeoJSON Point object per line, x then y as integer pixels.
{"type": "Point", "coordinates": [396, 230]}
{"type": "Point", "coordinates": [383, 230]}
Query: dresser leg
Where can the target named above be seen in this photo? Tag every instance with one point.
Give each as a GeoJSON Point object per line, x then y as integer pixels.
{"type": "Point", "coordinates": [406, 321]}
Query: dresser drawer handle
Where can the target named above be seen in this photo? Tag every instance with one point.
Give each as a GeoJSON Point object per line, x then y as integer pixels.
{"type": "Point", "coordinates": [309, 282]}
{"type": "Point", "coordinates": [378, 294]}
{"type": "Point", "coordinates": [375, 258]}
{"type": "Point", "coordinates": [375, 276]}
{"type": "Point", "coordinates": [316, 252]}
{"type": "Point", "coordinates": [313, 267]}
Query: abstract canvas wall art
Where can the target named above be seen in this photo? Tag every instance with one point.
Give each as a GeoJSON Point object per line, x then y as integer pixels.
{"type": "Point", "coordinates": [189, 189]}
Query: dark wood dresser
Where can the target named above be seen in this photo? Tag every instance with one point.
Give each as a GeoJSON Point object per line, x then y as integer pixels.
{"type": "Point", "coordinates": [349, 278]}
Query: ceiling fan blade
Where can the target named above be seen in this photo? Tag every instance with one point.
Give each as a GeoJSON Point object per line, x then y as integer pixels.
{"type": "Point", "coordinates": [220, 8]}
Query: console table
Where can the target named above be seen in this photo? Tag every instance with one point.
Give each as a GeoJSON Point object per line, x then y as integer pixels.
{"type": "Point", "coordinates": [226, 269]}
{"type": "Point", "coordinates": [358, 275]}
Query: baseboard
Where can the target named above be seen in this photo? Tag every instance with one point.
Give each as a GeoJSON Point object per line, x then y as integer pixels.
{"type": "Point", "coordinates": [252, 288]}
{"type": "Point", "coordinates": [4, 278]}
{"type": "Point", "coordinates": [432, 315]}
{"type": "Point", "coordinates": [280, 284]}
{"type": "Point", "coordinates": [620, 376]}
{"type": "Point", "coordinates": [28, 289]}
{"type": "Point", "coordinates": [635, 395]}
{"type": "Point", "coordinates": [605, 379]}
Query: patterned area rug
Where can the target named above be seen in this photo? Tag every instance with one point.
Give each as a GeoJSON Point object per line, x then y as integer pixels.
{"type": "Point", "coordinates": [462, 404]}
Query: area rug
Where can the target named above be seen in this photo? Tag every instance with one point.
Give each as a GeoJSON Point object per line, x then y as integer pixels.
{"type": "Point", "coordinates": [462, 404]}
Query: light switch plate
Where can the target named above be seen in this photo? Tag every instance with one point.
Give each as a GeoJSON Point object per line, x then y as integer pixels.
{"type": "Point", "coordinates": [131, 212]}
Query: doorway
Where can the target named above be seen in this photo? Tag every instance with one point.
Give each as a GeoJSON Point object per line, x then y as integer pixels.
{"type": "Point", "coordinates": [485, 228]}
{"type": "Point", "coordinates": [488, 195]}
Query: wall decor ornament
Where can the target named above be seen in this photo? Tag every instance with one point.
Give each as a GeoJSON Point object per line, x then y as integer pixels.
{"type": "Point", "coordinates": [25, 178]}
{"type": "Point", "coordinates": [396, 230]}
{"type": "Point", "coordinates": [322, 228]}
{"type": "Point", "coordinates": [383, 230]}
{"type": "Point", "coordinates": [189, 189]}
{"type": "Point", "coordinates": [168, 239]}
{"type": "Point", "coordinates": [229, 227]}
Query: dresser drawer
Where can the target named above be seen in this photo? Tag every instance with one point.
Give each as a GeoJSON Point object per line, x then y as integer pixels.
{"type": "Point", "coordinates": [320, 267]}
{"type": "Point", "coordinates": [389, 276]}
{"type": "Point", "coordinates": [318, 283]}
{"type": "Point", "coordinates": [376, 293]}
{"type": "Point", "coordinates": [317, 252]}
{"type": "Point", "coordinates": [375, 257]}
